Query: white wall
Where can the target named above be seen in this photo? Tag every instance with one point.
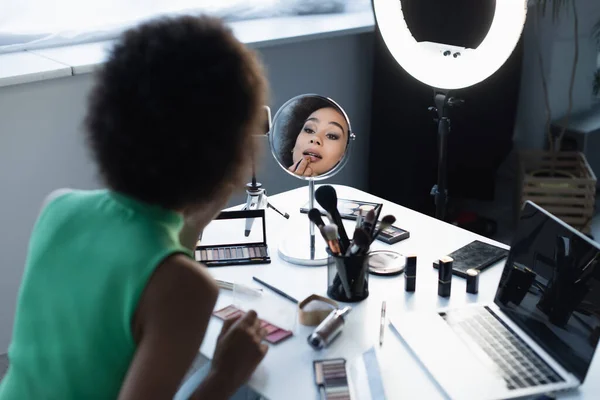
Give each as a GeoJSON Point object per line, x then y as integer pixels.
{"type": "Point", "coordinates": [557, 46]}
{"type": "Point", "coordinates": [41, 144]}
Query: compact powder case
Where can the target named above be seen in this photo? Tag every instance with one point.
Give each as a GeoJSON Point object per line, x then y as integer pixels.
{"type": "Point", "coordinates": [386, 262]}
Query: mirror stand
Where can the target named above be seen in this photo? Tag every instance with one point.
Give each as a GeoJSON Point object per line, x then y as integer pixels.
{"type": "Point", "coordinates": [302, 247]}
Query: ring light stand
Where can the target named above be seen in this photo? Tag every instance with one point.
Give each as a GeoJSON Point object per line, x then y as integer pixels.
{"type": "Point", "coordinates": [446, 67]}
{"type": "Point", "coordinates": [443, 102]}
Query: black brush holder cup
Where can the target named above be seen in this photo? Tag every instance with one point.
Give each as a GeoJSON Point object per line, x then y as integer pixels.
{"type": "Point", "coordinates": [347, 277]}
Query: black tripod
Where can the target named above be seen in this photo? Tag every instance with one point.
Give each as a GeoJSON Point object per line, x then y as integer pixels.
{"type": "Point", "coordinates": [443, 102]}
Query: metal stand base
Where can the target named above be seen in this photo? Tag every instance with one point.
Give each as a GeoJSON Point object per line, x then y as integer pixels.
{"type": "Point", "coordinates": [297, 249]}
{"type": "Point", "coordinates": [305, 248]}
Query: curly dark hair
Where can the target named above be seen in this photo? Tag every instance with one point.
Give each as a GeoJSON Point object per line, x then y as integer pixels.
{"type": "Point", "coordinates": [172, 111]}
{"type": "Point", "coordinates": [291, 123]}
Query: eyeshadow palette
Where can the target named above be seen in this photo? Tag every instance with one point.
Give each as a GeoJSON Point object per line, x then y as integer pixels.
{"type": "Point", "coordinates": [349, 209]}
{"type": "Point", "coordinates": [332, 379]}
{"type": "Point", "coordinates": [392, 234]}
{"type": "Point", "coordinates": [234, 238]}
{"type": "Point", "coordinates": [275, 334]}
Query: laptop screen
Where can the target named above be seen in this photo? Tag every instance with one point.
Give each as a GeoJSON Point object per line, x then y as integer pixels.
{"type": "Point", "coordinates": [550, 287]}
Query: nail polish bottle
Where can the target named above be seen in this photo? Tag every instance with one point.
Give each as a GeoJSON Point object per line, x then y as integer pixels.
{"type": "Point", "coordinates": [445, 276]}
{"type": "Point", "coordinates": [410, 273]}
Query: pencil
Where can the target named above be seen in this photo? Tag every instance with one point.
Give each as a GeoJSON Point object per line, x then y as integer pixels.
{"type": "Point", "coordinates": [382, 323]}
{"type": "Point", "coordinates": [279, 292]}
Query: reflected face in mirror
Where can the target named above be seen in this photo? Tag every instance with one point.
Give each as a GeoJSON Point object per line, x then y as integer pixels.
{"type": "Point", "coordinates": [321, 143]}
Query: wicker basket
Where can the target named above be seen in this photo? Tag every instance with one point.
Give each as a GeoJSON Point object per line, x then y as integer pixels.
{"type": "Point", "coordinates": [562, 183]}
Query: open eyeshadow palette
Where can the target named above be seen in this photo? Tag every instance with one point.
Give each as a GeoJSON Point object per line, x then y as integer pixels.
{"type": "Point", "coordinates": [332, 379]}
{"type": "Point", "coordinates": [275, 334]}
{"type": "Point", "coordinates": [349, 209]}
{"type": "Point", "coordinates": [234, 238]}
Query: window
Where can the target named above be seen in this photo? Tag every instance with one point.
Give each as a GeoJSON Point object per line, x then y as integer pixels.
{"type": "Point", "coordinates": [29, 24]}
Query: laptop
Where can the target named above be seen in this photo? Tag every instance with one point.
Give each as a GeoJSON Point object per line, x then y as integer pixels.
{"type": "Point", "coordinates": [540, 333]}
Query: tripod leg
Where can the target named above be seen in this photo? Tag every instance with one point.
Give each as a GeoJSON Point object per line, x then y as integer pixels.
{"type": "Point", "coordinates": [251, 204]}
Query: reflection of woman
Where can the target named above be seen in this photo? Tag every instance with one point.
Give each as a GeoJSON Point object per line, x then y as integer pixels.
{"type": "Point", "coordinates": [314, 137]}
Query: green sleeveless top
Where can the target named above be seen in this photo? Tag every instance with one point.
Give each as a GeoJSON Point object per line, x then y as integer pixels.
{"type": "Point", "coordinates": [90, 257]}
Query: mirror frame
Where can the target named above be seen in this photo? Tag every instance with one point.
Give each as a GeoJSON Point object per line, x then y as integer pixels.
{"type": "Point", "coordinates": [351, 137]}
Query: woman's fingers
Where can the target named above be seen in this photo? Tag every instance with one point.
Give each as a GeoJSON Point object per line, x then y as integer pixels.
{"type": "Point", "coordinates": [300, 170]}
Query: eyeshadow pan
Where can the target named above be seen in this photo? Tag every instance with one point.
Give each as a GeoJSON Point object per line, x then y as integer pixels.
{"type": "Point", "coordinates": [220, 254]}
{"type": "Point", "coordinates": [263, 251]}
{"type": "Point", "coordinates": [278, 336]}
{"type": "Point", "coordinates": [215, 254]}
{"type": "Point", "coordinates": [227, 253]}
{"type": "Point", "coordinates": [203, 255]}
{"type": "Point", "coordinates": [197, 255]}
{"type": "Point", "coordinates": [252, 253]}
{"type": "Point", "coordinates": [226, 312]}
{"type": "Point", "coordinates": [270, 328]}
{"type": "Point", "coordinates": [246, 252]}
{"type": "Point", "coordinates": [240, 253]}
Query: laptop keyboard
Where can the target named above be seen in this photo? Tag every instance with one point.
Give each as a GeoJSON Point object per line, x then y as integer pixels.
{"type": "Point", "coordinates": [514, 359]}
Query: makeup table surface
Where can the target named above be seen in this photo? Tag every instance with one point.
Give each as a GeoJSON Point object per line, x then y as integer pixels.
{"type": "Point", "coordinates": [287, 370]}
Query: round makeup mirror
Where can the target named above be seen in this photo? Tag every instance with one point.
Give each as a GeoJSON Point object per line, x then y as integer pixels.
{"type": "Point", "coordinates": [311, 139]}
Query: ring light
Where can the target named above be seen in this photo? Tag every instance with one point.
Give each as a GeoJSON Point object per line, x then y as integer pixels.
{"type": "Point", "coordinates": [445, 67]}
{"type": "Point", "coordinates": [451, 67]}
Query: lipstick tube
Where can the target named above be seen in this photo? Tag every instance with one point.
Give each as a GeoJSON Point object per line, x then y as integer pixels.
{"type": "Point", "coordinates": [410, 273]}
{"type": "Point", "coordinates": [472, 281]}
{"type": "Point", "coordinates": [445, 276]}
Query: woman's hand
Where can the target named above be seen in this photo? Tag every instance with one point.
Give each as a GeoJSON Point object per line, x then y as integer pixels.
{"type": "Point", "coordinates": [303, 168]}
{"type": "Point", "coordinates": [239, 349]}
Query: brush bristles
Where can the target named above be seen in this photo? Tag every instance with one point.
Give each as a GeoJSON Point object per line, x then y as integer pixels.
{"type": "Point", "coordinates": [388, 219]}
{"type": "Point", "coordinates": [330, 232]}
{"type": "Point", "coordinates": [370, 216]}
{"type": "Point", "coordinates": [361, 239]}
{"type": "Point", "coordinates": [327, 197]}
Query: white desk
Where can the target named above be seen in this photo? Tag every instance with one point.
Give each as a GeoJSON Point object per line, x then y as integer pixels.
{"type": "Point", "coordinates": [286, 373]}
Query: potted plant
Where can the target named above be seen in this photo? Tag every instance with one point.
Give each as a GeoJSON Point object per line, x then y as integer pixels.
{"type": "Point", "coordinates": [562, 182]}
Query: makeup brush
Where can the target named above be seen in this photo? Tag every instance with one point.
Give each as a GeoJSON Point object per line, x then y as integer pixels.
{"type": "Point", "coordinates": [330, 234]}
{"type": "Point", "coordinates": [385, 223]}
{"type": "Point", "coordinates": [327, 198]}
{"type": "Point", "coordinates": [359, 218]}
{"type": "Point", "coordinates": [360, 242]}
{"type": "Point", "coordinates": [369, 222]}
{"type": "Point", "coordinates": [315, 216]}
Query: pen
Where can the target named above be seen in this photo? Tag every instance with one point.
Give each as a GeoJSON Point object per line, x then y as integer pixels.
{"type": "Point", "coordinates": [382, 323]}
{"type": "Point", "coordinates": [239, 287]}
{"type": "Point", "coordinates": [279, 292]}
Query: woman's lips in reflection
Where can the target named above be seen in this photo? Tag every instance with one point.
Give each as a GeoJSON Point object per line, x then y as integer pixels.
{"type": "Point", "coordinates": [313, 154]}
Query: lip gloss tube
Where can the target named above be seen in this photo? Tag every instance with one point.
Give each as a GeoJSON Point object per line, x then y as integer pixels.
{"type": "Point", "coordinates": [445, 276]}
{"type": "Point", "coordinates": [410, 273]}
